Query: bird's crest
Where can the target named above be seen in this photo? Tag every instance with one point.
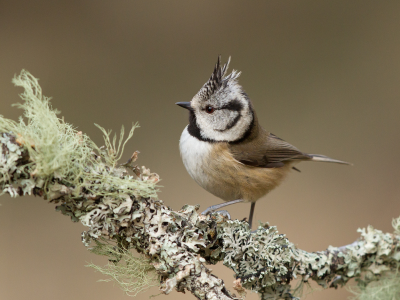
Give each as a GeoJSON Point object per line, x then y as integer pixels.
{"type": "Point", "coordinates": [217, 79]}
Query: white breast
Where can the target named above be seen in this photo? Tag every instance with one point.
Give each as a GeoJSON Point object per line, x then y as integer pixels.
{"type": "Point", "coordinates": [213, 168]}
{"type": "Point", "coordinates": [194, 152]}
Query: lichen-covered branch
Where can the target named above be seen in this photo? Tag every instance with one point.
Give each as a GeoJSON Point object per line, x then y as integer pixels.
{"type": "Point", "coordinates": [119, 202]}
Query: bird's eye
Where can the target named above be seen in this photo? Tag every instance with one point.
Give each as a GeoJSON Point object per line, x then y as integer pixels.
{"type": "Point", "coordinates": [210, 109]}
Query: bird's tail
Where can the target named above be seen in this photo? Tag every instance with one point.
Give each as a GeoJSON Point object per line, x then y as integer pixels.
{"type": "Point", "coordinates": [318, 157]}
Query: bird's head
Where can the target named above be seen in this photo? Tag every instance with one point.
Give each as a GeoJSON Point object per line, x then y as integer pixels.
{"type": "Point", "coordinates": [221, 110]}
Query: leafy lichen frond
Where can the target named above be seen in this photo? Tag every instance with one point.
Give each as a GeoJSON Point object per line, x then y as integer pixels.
{"type": "Point", "coordinates": [396, 225]}
{"type": "Point", "coordinates": [114, 150]}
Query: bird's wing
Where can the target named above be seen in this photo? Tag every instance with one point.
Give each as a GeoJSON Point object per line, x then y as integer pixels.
{"type": "Point", "coordinates": [278, 150]}
{"type": "Point", "coordinates": [268, 152]}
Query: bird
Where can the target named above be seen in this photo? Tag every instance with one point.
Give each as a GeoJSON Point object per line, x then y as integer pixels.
{"type": "Point", "coordinates": [227, 152]}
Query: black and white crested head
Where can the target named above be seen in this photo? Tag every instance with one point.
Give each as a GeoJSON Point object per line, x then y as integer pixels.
{"type": "Point", "coordinates": [221, 110]}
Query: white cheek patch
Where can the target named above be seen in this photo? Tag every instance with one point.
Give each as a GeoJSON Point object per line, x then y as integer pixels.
{"type": "Point", "coordinates": [232, 118]}
{"type": "Point", "coordinates": [205, 123]}
{"type": "Point", "coordinates": [220, 120]}
{"type": "Point", "coordinates": [230, 126]}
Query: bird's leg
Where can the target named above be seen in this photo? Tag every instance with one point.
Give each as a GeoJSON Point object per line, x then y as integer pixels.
{"type": "Point", "coordinates": [213, 208]}
{"type": "Point", "coordinates": [253, 204]}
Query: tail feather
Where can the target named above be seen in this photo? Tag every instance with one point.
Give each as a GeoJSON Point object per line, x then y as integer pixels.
{"type": "Point", "coordinates": [318, 157]}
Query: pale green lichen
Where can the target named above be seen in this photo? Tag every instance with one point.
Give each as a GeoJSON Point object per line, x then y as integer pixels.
{"type": "Point", "coordinates": [133, 274]}
{"type": "Point", "coordinates": [114, 149]}
{"type": "Point", "coordinates": [58, 151]}
{"type": "Point", "coordinates": [386, 288]}
{"type": "Point", "coordinates": [54, 146]}
{"type": "Point", "coordinates": [43, 155]}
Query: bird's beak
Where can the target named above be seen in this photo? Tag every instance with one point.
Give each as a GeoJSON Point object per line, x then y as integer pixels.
{"type": "Point", "coordinates": [184, 105]}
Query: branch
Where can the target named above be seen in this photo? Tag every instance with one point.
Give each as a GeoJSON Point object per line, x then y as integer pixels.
{"type": "Point", "coordinates": [119, 202]}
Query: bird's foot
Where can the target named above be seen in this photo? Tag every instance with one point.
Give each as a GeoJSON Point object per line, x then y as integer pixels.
{"type": "Point", "coordinates": [210, 210]}
{"type": "Point", "coordinates": [215, 207]}
{"type": "Point", "coordinates": [223, 213]}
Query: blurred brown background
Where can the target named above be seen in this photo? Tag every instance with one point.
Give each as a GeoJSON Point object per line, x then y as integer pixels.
{"type": "Point", "coordinates": [323, 75]}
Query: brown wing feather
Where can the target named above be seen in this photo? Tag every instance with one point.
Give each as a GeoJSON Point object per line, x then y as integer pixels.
{"type": "Point", "coordinates": [266, 150]}
{"type": "Point", "coordinates": [279, 150]}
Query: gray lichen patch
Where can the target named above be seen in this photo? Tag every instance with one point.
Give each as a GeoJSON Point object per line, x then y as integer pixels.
{"type": "Point", "coordinates": [259, 259]}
